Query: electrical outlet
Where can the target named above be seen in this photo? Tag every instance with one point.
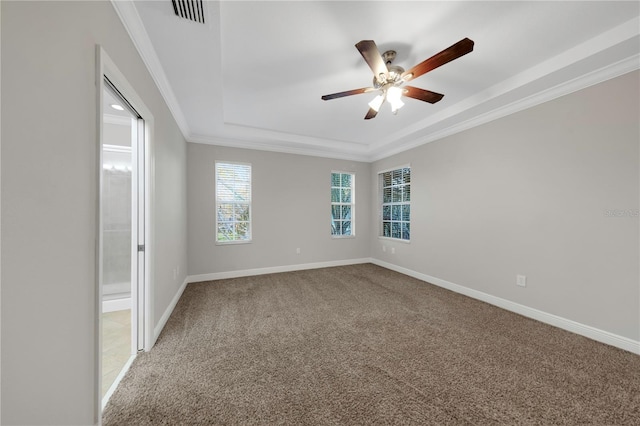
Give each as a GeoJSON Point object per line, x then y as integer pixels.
{"type": "Point", "coordinates": [298, 250]}
{"type": "Point", "coordinates": [175, 274]}
{"type": "Point", "coordinates": [521, 280]}
{"type": "Point", "coordinates": [384, 248]}
{"type": "Point", "coordinates": [393, 250]}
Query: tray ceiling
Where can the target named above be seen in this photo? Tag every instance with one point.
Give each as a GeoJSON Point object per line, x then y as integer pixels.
{"type": "Point", "coordinates": [253, 74]}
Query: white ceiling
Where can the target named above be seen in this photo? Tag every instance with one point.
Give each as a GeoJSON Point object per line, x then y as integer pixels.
{"type": "Point", "coordinates": [253, 75]}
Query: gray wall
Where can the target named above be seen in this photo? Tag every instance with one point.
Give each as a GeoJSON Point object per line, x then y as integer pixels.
{"type": "Point", "coordinates": [526, 194]}
{"type": "Point", "coordinates": [290, 207]}
{"type": "Point", "coordinates": [529, 194]}
{"type": "Point", "coordinates": [49, 191]}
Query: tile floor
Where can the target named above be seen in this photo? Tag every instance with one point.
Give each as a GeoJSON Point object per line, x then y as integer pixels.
{"type": "Point", "coordinates": [116, 345]}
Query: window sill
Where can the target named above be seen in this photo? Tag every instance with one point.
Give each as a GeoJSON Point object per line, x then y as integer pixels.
{"type": "Point", "coordinates": [394, 239]}
{"type": "Point", "coordinates": [343, 237]}
{"type": "Point", "coordinates": [232, 243]}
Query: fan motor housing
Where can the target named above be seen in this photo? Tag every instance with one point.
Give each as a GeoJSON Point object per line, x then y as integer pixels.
{"type": "Point", "coordinates": [389, 56]}
{"type": "Point", "coordinates": [394, 74]}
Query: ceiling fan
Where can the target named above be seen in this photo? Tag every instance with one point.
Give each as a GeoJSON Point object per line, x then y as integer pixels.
{"type": "Point", "coordinates": [388, 79]}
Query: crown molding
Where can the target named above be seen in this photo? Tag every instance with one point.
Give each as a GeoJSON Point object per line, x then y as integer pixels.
{"type": "Point", "coordinates": [239, 136]}
{"type": "Point", "coordinates": [548, 68]}
{"type": "Point", "coordinates": [278, 146]}
{"type": "Point", "coordinates": [612, 71]}
{"type": "Point", "coordinates": [128, 14]}
{"type": "Point", "coordinates": [242, 132]}
{"type": "Point", "coordinates": [627, 32]}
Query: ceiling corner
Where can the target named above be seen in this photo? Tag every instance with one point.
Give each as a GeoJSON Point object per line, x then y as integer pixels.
{"type": "Point", "coordinates": [128, 14]}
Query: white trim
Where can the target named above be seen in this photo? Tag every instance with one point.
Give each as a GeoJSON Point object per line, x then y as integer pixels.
{"type": "Point", "coordinates": [395, 240]}
{"type": "Point", "coordinates": [116, 382]}
{"type": "Point", "coordinates": [390, 169]}
{"type": "Point", "coordinates": [231, 242]}
{"type": "Point", "coordinates": [105, 66]}
{"type": "Point", "coordinates": [0, 229]}
{"type": "Point", "coordinates": [149, 231]}
{"type": "Point", "coordinates": [167, 313]}
{"type": "Point", "coordinates": [220, 164]}
{"type": "Point", "coordinates": [352, 204]}
{"type": "Point", "coordinates": [116, 305]}
{"type": "Point", "coordinates": [547, 69]}
{"type": "Point", "coordinates": [381, 203]}
{"type": "Point", "coordinates": [117, 120]}
{"type": "Point", "coordinates": [99, 83]}
{"type": "Point", "coordinates": [128, 14]}
{"type": "Point", "coordinates": [109, 68]}
{"type": "Point", "coordinates": [582, 82]}
{"type": "Point", "coordinates": [244, 273]}
{"type": "Point", "coordinates": [267, 140]}
{"type": "Point", "coordinates": [338, 152]}
{"type": "Point", "coordinates": [117, 148]}
{"type": "Point", "coordinates": [273, 270]}
{"type": "Point", "coordinates": [348, 172]}
{"type": "Point", "coordinates": [547, 318]}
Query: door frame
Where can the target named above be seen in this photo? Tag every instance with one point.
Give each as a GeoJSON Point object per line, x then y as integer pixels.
{"type": "Point", "coordinates": [106, 67]}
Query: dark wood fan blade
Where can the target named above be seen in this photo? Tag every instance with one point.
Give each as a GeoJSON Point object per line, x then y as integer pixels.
{"type": "Point", "coordinates": [347, 93]}
{"type": "Point", "coordinates": [421, 94]}
{"type": "Point", "coordinates": [372, 56]}
{"type": "Point", "coordinates": [459, 49]}
{"type": "Point", "coordinates": [370, 114]}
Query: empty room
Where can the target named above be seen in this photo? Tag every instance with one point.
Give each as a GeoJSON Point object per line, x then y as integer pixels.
{"type": "Point", "coordinates": [319, 212]}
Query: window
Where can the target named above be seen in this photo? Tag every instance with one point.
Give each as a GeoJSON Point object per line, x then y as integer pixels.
{"type": "Point", "coordinates": [233, 202]}
{"type": "Point", "coordinates": [395, 188]}
{"type": "Point", "coordinates": [342, 204]}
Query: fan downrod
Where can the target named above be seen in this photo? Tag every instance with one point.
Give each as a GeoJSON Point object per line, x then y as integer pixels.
{"type": "Point", "coordinates": [393, 76]}
{"type": "Point", "coordinates": [389, 56]}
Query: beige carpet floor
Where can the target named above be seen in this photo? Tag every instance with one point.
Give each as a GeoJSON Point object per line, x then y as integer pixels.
{"type": "Point", "coordinates": [365, 345]}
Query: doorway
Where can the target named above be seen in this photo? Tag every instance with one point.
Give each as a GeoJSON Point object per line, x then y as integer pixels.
{"type": "Point", "coordinates": [122, 236]}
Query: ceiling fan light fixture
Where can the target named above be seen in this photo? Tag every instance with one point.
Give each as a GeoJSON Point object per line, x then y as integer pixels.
{"type": "Point", "coordinates": [394, 93]}
{"type": "Point", "coordinates": [396, 105]}
{"type": "Point", "coordinates": [395, 73]}
{"type": "Point", "coordinates": [376, 103]}
{"type": "Point", "coordinates": [388, 78]}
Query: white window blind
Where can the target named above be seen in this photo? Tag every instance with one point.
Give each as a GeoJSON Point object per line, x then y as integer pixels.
{"type": "Point", "coordinates": [395, 186]}
{"type": "Point", "coordinates": [233, 202]}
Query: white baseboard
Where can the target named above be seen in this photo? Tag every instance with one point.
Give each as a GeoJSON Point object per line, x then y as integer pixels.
{"type": "Point", "coordinates": [243, 273]}
{"type": "Point", "coordinates": [273, 270]}
{"type": "Point", "coordinates": [547, 318]}
{"type": "Point", "coordinates": [167, 312]}
{"type": "Point", "coordinates": [116, 382]}
{"type": "Point", "coordinates": [563, 323]}
{"type": "Point", "coordinates": [116, 305]}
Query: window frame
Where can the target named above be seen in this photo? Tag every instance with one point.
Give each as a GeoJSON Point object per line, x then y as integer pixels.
{"type": "Point", "coordinates": [352, 204]}
{"type": "Point", "coordinates": [249, 203]}
{"type": "Point", "coordinates": [382, 204]}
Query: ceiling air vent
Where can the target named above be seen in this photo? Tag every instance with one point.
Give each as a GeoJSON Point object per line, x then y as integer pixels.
{"type": "Point", "coordinates": [189, 9]}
